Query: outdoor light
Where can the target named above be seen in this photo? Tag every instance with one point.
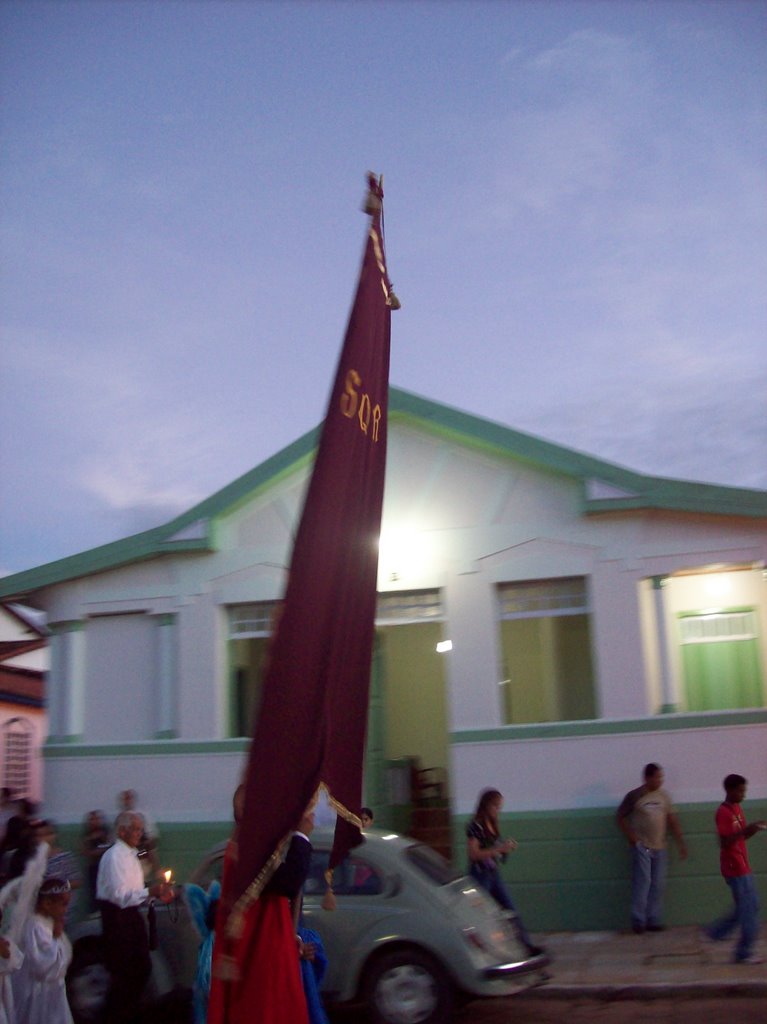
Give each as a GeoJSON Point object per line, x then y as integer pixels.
{"type": "Point", "coordinates": [717, 586]}
{"type": "Point", "coordinates": [400, 553]}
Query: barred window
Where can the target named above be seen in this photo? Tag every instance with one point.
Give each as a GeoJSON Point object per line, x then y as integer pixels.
{"type": "Point", "coordinates": [543, 597]}
{"type": "Point", "coordinates": [706, 629]}
{"type": "Point", "coordinates": [17, 755]}
{"type": "Point", "coordinates": [409, 606]}
{"type": "Point", "coordinates": [254, 619]}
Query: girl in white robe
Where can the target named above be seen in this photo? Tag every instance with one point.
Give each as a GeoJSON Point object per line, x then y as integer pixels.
{"type": "Point", "coordinates": [39, 988]}
{"type": "Point", "coordinates": [10, 961]}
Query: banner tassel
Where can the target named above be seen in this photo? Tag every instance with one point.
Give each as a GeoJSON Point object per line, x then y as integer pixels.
{"type": "Point", "coordinates": [329, 899]}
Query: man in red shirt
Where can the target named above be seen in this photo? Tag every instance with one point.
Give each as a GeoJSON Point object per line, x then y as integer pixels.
{"type": "Point", "coordinates": [733, 859]}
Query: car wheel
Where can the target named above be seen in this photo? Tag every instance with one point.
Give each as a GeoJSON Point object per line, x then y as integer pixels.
{"type": "Point", "coordinates": [88, 983]}
{"type": "Point", "coordinates": [407, 986]}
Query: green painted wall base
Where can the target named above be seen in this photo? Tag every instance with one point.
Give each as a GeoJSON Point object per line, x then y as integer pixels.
{"type": "Point", "coordinates": [572, 869]}
{"type": "Point", "coordinates": [570, 873]}
{"type": "Point", "coordinates": [182, 845]}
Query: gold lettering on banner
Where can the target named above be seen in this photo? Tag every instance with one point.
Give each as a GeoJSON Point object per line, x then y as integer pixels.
{"type": "Point", "coordinates": [353, 403]}
{"type": "Point", "coordinates": [365, 412]}
{"type": "Point", "coordinates": [350, 397]}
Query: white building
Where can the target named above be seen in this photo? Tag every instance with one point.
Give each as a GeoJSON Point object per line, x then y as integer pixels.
{"type": "Point", "coordinates": [599, 619]}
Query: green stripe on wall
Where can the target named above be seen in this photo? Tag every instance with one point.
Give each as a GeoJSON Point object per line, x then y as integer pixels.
{"type": "Point", "coordinates": [149, 748]}
{"type": "Point", "coordinates": [570, 872]}
{"type": "Point", "coordinates": [71, 747]}
{"type": "Point", "coordinates": [608, 727]}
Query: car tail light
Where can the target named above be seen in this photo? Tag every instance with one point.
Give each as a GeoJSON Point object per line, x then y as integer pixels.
{"type": "Point", "coordinates": [474, 939]}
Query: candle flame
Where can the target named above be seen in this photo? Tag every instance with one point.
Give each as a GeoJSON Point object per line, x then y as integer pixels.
{"type": "Point", "coordinates": [168, 875]}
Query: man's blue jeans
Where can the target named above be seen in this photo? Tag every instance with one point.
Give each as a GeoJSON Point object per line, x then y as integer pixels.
{"type": "Point", "coordinates": [745, 913]}
{"type": "Point", "coordinates": [647, 883]}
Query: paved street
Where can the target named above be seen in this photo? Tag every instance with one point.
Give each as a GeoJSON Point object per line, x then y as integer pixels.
{"type": "Point", "coordinates": [619, 978]}
{"type": "Point", "coordinates": [713, 1010]}
{"type": "Point", "coordinates": [522, 1010]}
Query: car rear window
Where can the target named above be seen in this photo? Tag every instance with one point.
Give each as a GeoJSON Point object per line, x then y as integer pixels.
{"type": "Point", "coordinates": [431, 864]}
{"type": "Point", "coordinates": [354, 876]}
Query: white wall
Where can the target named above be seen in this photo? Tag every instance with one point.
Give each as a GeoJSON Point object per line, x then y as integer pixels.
{"type": "Point", "coordinates": [173, 788]}
{"type": "Point", "coordinates": [472, 665]}
{"type": "Point", "coordinates": [597, 771]}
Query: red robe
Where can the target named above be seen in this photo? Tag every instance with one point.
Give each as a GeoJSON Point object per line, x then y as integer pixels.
{"type": "Point", "coordinates": [256, 978]}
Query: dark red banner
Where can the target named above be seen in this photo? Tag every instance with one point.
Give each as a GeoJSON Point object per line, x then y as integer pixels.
{"type": "Point", "coordinates": [313, 714]}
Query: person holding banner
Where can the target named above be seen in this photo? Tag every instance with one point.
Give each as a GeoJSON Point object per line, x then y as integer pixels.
{"type": "Point", "coordinates": [315, 687]}
{"type": "Point", "coordinates": [258, 975]}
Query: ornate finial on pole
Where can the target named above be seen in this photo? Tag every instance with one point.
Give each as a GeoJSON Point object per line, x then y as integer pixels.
{"type": "Point", "coordinates": [373, 207]}
{"type": "Point", "coordinates": [374, 195]}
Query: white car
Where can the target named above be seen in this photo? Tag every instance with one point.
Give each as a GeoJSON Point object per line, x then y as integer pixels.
{"type": "Point", "coordinates": [408, 937]}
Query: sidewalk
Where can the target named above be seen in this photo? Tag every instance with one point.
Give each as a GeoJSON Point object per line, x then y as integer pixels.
{"type": "Point", "coordinates": [621, 965]}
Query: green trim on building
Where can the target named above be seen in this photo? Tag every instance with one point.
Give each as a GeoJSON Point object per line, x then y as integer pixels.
{"type": "Point", "coordinates": [641, 492]}
{"type": "Point", "coordinates": [646, 492]}
{"type": "Point", "coordinates": [698, 613]}
{"type": "Point", "coordinates": [145, 748]}
{"type": "Point", "coordinates": [609, 727]}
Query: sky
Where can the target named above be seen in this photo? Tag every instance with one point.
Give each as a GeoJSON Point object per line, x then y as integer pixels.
{"type": "Point", "coordinates": [576, 226]}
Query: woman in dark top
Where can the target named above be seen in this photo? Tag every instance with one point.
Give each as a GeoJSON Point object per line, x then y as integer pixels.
{"type": "Point", "coordinates": [487, 849]}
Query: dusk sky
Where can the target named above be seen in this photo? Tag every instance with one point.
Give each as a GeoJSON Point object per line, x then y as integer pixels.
{"type": "Point", "coordinates": [576, 226]}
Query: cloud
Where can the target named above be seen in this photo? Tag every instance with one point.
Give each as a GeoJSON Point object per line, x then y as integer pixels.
{"type": "Point", "coordinates": [132, 480]}
{"type": "Point", "coordinates": [588, 56]}
{"type": "Point", "coordinates": [701, 427]}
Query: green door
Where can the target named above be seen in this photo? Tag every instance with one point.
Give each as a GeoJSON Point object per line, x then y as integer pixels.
{"type": "Point", "coordinates": [721, 660]}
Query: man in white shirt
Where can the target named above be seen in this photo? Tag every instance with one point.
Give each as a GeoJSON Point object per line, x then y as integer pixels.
{"type": "Point", "coordinates": [120, 890]}
{"type": "Point", "coordinates": [127, 801]}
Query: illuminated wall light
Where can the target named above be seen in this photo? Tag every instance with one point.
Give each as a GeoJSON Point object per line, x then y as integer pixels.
{"type": "Point", "coordinates": [444, 645]}
{"type": "Point", "coordinates": [400, 554]}
{"type": "Point", "coordinates": [718, 586]}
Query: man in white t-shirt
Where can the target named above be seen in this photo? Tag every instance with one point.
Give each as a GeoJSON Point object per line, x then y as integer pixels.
{"type": "Point", "coordinates": [120, 890]}
{"type": "Point", "coordinates": [645, 816]}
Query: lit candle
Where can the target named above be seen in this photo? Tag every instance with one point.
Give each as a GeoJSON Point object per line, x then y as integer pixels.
{"type": "Point", "coordinates": [168, 876]}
